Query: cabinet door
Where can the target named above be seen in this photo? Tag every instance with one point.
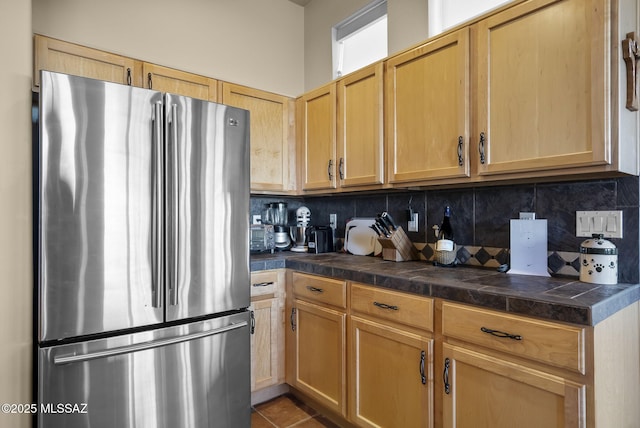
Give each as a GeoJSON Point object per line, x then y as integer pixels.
{"type": "Point", "coordinates": [270, 134]}
{"type": "Point", "coordinates": [264, 344]}
{"type": "Point", "coordinates": [178, 82]}
{"type": "Point", "coordinates": [320, 354]}
{"type": "Point", "coordinates": [63, 57]}
{"type": "Point", "coordinates": [360, 127]}
{"type": "Point", "coordinates": [317, 112]}
{"type": "Point", "coordinates": [427, 122]}
{"type": "Point", "coordinates": [482, 391]}
{"type": "Point", "coordinates": [541, 82]}
{"type": "Point", "coordinates": [391, 376]}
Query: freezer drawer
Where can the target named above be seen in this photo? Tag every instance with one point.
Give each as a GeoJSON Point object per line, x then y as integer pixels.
{"type": "Point", "coordinates": [193, 375]}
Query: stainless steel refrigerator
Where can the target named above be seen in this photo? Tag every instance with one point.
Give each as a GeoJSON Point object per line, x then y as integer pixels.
{"type": "Point", "coordinates": [142, 259]}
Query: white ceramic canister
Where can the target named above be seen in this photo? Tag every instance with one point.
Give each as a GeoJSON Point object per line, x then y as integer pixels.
{"type": "Point", "coordinates": [598, 261]}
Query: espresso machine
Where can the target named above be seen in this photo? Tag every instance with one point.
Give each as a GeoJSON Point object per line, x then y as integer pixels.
{"type": "Point", "coordinates": [276, 213]}
{"type": "Point", "coordinates": [299, 232]}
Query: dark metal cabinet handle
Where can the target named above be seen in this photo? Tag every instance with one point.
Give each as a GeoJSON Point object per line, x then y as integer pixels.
{"type": "Point", "coordinates": [499, 333]}
{"type": "Point", "coordinates": [293, 319]}
{"type": "Point", "coordinates": [481, 148]}
{"type": "Point", "coordinates": [460, 158]}
{"type": "Point", "coordinates": [423, 356]}
{"type": "Point", "coordinates": [262, 284]}
{"type": "Point", "coordinates": [445, 376]}
{"type": "Point", "coordinates": [315, 289]}
{"type": "Point", "coordinates": [149, 81]}
{"type": "Point", "coordinates": [253, 323]}
{"type": "Point", "coordinates": [129, 76]}
{"type": "Point", "coordinates": [341, 168]}
{"type": "Point", "coordinates": [385, 306]}
{"type": "Point", "coordinates": [329, 169]}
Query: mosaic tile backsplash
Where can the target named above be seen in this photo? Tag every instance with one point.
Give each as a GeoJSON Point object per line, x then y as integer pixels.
{"type": "Point", "coordinates": [480, 218]}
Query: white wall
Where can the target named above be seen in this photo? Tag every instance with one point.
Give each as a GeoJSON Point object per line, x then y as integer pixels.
{"type": "Point", "coordinates": [407, 26]}
{"type": "Point", "coordinates": [16, 283]}
{"type": "Point", "coordinates": [258, 43]}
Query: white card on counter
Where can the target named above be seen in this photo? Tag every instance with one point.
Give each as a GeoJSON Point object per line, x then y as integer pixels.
{"type": "Point", "coordinates": [529, 247]}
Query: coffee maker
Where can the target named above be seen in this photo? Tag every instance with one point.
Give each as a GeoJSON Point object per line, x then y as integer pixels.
{"type": "Point", "coordinates": [276, 213]}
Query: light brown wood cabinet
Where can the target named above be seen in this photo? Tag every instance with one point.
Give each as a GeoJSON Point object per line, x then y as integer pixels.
{"type": "Point", "coordinates": [316, 340]}
{"type": "Point", "coordinates": [267, 338]}
{"type": "Point", "coordinates": [390, 358]}
{"type": "Point", "coordinates": [543, 105]}
{"type": "Point", "coordinates": [504, 370]}
{"type": "Point", "coordinates": [360, 128]}
{"type": "Point", "coordinates": [178, 82]}
{"type": "Point", "coordinates": [272, 137]}
{"type": "Point", "coordinates": [488, 390]}
{"type": "Point", "coordinates": [427, 97]}
{"type": "Point", "coordinates": [342, 133]}
{"type": "Point", "coordinates": [64, 57]}
{"type": "Point", "coordinates": [316, 112]}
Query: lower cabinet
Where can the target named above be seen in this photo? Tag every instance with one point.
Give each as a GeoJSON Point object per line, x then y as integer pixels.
{"type": "Point", "coordinates": [485, 386]}
{"type": "Point", "coordinates": [267, 332]}
{"type": "Point", "coordinates": [390, 358]}
{"type": "Point", "coordinates": [484, 391]}
{"type": "Point", "coordinates": [391, 376]}
{"type": "Point", "coordinates": [318, 329]}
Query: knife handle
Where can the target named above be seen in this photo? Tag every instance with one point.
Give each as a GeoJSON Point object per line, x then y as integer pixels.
{"type": "Point", "coordinates": [389, 220]}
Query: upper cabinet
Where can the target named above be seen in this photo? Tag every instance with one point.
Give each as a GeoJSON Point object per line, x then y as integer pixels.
{"type": "Point", "coordinates": [272, 137]}
{"type": "Point", "coordinates": [360, 128]}
{"type": "Point", "coordinates": [341, 133]}
{"type": "Point", "coordinates": [427, 102]}
{"type": "Point", "coordinates": [543, 88]}
{"type": "Point", "coordinates": [64, 57]}
{"type": "Point", "coordinates": [317, 138]}
{"type": "Point", "coordinates": [178, 82]}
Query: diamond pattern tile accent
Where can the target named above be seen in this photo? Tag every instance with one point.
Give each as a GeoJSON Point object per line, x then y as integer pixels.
{"type": "Point", "coordinates": [559, 262]}
{"type": "Point", "coordinates": [483, 256]}
{"type": "Point", "coordinates": [555, 262]}
{"type": "Point", "coordinates": [463, 255]}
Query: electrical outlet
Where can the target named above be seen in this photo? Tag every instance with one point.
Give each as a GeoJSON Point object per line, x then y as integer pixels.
{"type": "Point", "coordinates": [257, 219]}
{"type": "Point", "coordinates": [412, 225]}
{"type": "Point", "coordinates": [608, 223]}
{"type": "Point", "coordinates": [333, 221]}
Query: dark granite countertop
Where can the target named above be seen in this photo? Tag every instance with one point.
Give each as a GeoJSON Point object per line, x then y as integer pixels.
{"type": "Point", "coordinates": [557, 299]}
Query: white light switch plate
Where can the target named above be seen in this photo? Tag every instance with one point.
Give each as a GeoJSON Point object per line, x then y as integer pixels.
{"type": "Point", "coordinates": [607, 223]}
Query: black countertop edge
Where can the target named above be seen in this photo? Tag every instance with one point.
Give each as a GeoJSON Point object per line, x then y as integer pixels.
{"type": "Point", "coordinates": [555, 299]}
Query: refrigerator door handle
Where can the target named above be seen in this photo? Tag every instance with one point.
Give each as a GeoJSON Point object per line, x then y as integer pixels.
{"type": "Point", "coordinates": [157, 244]}
{"type": "Point", "coordinates": [68, 359]}
{"type": "Point", "coordinates": [174, 274]}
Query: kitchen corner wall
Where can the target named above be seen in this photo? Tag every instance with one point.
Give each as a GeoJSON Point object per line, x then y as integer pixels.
{"type": "Point", "coordinates": [480, 216]}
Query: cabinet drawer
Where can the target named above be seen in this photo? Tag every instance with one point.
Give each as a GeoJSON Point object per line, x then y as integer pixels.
{"type": "Point", "coordinates": [402, 308]}
{"type": "Point", "coordinates": [551, 343]}
{"type": "Point", "coordinates": [263, 283]}
{"type": "Point", "coordinates": [320, 289]}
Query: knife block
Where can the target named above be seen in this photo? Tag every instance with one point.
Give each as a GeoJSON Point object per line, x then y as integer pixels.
{"type": "Point", "coordinates": [398, 247]}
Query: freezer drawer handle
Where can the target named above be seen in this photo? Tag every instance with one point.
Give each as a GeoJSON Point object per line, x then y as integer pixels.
{"type": "Point", "coordinates": [144, 346]}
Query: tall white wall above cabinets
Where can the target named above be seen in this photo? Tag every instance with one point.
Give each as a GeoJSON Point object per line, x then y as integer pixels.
{"type": "Point", "coordinates": [406, 21]}
{"type": "Point", "coordinates": [259, 44]}
{"type": "Point", "coordinates": [445, 14]}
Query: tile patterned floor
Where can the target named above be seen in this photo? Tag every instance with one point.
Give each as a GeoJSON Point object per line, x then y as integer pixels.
{"type": "Point", "coordinates": [287, 411]}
